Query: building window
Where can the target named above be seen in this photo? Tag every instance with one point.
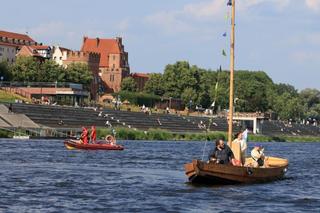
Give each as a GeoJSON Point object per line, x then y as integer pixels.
{"type": "Point", "coordinates": [114, 57]}
{"type": "Point", "coordinates": [111, 78]}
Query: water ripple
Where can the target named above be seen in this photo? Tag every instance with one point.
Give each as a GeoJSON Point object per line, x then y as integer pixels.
{"type": "Point", "coordinates": [42, 176]}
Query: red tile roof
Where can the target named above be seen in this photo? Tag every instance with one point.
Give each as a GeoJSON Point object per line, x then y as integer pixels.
{"type": "Point", "coordinates": [103, 46]}
{"type": "Point", "coordinates": [15, 36]}
{"type": "Point", "coordinates": [140, 75]}
{"type": "Point", "coordinates": [39, 47]}
{"type": "Point", "coordinates": [64, 49]}
{"type": "Point", "coordinates": [28, 51]}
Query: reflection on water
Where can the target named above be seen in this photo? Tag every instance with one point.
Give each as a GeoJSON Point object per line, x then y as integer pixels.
{"type": "Point", "coordinates": [42, 176]}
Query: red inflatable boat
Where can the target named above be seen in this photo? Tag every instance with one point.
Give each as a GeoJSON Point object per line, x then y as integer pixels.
{"type": "Point", "coordinates": [99, 145]}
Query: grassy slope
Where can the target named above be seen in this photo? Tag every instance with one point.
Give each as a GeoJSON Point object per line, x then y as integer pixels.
{"type": "Point", "coordinates": [9, 97]}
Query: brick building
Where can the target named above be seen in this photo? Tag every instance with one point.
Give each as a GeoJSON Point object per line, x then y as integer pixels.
{"type": "Point", "coordinates": [92, 60]}
{"type": "Point", "coordinates": [40, 52]}
{"type": "Point", "coordinates": [43, 50]}
{"type": "Point", "coordinates": [11, 43]}
{"type": "Point", "coordinates": [114, 65]}
{"type": "Point", "coordinates": [140, 79]}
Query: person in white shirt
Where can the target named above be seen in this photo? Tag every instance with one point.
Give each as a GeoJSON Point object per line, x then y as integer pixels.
{"type": "Point", "coordinates": [243, 145]}
{"type": "Point", "coordinates": [258, 156]}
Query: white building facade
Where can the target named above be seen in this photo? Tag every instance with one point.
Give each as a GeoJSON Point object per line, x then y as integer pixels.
{"type": "Point", "coordinates": [8, 52]}
{"type": "Point", "coordinates": [59, 54]}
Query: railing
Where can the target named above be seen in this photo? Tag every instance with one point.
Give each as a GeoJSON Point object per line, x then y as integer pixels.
{"type": "Point", "coordinates": [18, 91]}
{"type": "Point", "coordinates": [244, 114]}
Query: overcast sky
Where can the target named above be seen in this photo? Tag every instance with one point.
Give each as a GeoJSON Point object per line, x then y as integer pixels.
{"type": "Point", "coordinates": [280, 37]}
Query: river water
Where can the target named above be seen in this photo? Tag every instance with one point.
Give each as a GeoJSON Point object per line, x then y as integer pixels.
{"type": "Point", "coordinates": [42, 176]}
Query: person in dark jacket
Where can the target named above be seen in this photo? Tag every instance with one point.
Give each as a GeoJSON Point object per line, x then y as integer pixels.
{"type": "Point", "coordinates": [221, 154]}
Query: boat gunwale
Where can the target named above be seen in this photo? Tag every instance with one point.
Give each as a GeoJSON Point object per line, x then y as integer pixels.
{"type": "Point", "coordinates": [75, 145]}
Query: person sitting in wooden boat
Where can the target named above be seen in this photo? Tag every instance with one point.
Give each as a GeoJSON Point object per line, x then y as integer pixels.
{"type": "Point", "coordinates": [93, 135]}
{"type": "Point", "coordinates": [84, 136]}
{"type": "Point", "coordinates": [241, 153]}
{"type": "Point", "coordinates": [258, 156]}
{"type": "Point", "coordinates": [222, 154]}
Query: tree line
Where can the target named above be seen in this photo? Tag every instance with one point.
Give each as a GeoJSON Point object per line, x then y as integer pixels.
{"type": "Point", "coordinates": [254, 91]}
{"type": "Point", "coordinates": [28, 69]}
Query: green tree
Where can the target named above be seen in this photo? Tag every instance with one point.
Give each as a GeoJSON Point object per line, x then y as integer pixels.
{"type": "Point", "coordinates": [288, 107]}
{"type": "Point", "coordinates": [220, 94]}
{"type": "Point", "coordinates": [189, 94]}
{"type": "Point", "coordinates": [25, 69]}
{"type": "Point", "coordinates": [313, 112]}
{"type": "Point", "coordinates": [311, 101]}
{"type": "Point", "coordinates": [207, 81]}
{"type": "Point", "coordinates": [50, 71]}
{"type": "Point", "coordinates": [251, 91]}
{"type": "Point", "coordinates": [174, 78]}
{"type": "Point", "coordinates": [129, 84]}
{"type": "Point", "coordinates": [5, 71]}
{"type": "Point", "coordinates": [286, 88]}
{"type": "Point", "coordinates": [155, 85]}
{"type": "Point", "coordinates": [310, 97]}
{"type": "Point", "coordinates": [78, 73]}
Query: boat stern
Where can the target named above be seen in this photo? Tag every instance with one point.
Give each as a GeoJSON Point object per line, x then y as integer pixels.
{"type": "Point", "coordinates": [191, 170]}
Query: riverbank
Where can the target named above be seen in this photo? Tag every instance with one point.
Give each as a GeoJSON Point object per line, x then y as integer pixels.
{"type": "Point", "coordinates": [163, 135]}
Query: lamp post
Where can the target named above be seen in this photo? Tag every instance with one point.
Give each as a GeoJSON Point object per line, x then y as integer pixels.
{"type": "Point", "coordinates": [190, 105]}
{"type": "Point", "coordinates": [1, 80]}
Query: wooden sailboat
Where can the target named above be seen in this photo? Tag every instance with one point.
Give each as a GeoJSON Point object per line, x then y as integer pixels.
{"type": "Point", "coordinates": [211, 173]}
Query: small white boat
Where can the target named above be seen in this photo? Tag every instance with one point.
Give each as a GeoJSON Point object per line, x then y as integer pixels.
{"type": "Point", "coordinates": [21, 137]}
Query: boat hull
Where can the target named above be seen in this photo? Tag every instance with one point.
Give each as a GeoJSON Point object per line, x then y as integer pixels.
{"type": "Point", "coordinates": [74, 144]}
{"type": "Point", "coordinates": [217, 174]}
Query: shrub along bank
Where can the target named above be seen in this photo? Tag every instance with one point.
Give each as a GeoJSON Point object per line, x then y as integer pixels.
{"type": "Point", "coordinates": [163, 135]}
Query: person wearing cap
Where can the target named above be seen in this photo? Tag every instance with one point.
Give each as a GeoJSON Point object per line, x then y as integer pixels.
{"type": "Point", "coordinates": [258, 156]}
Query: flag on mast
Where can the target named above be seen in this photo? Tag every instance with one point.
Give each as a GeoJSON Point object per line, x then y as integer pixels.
{"type": "Point", "coordinates": [224, 53]}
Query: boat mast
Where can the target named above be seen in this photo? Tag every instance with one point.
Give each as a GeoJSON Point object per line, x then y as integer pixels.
{"type": "Point", "coordinates": [233, 13]}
